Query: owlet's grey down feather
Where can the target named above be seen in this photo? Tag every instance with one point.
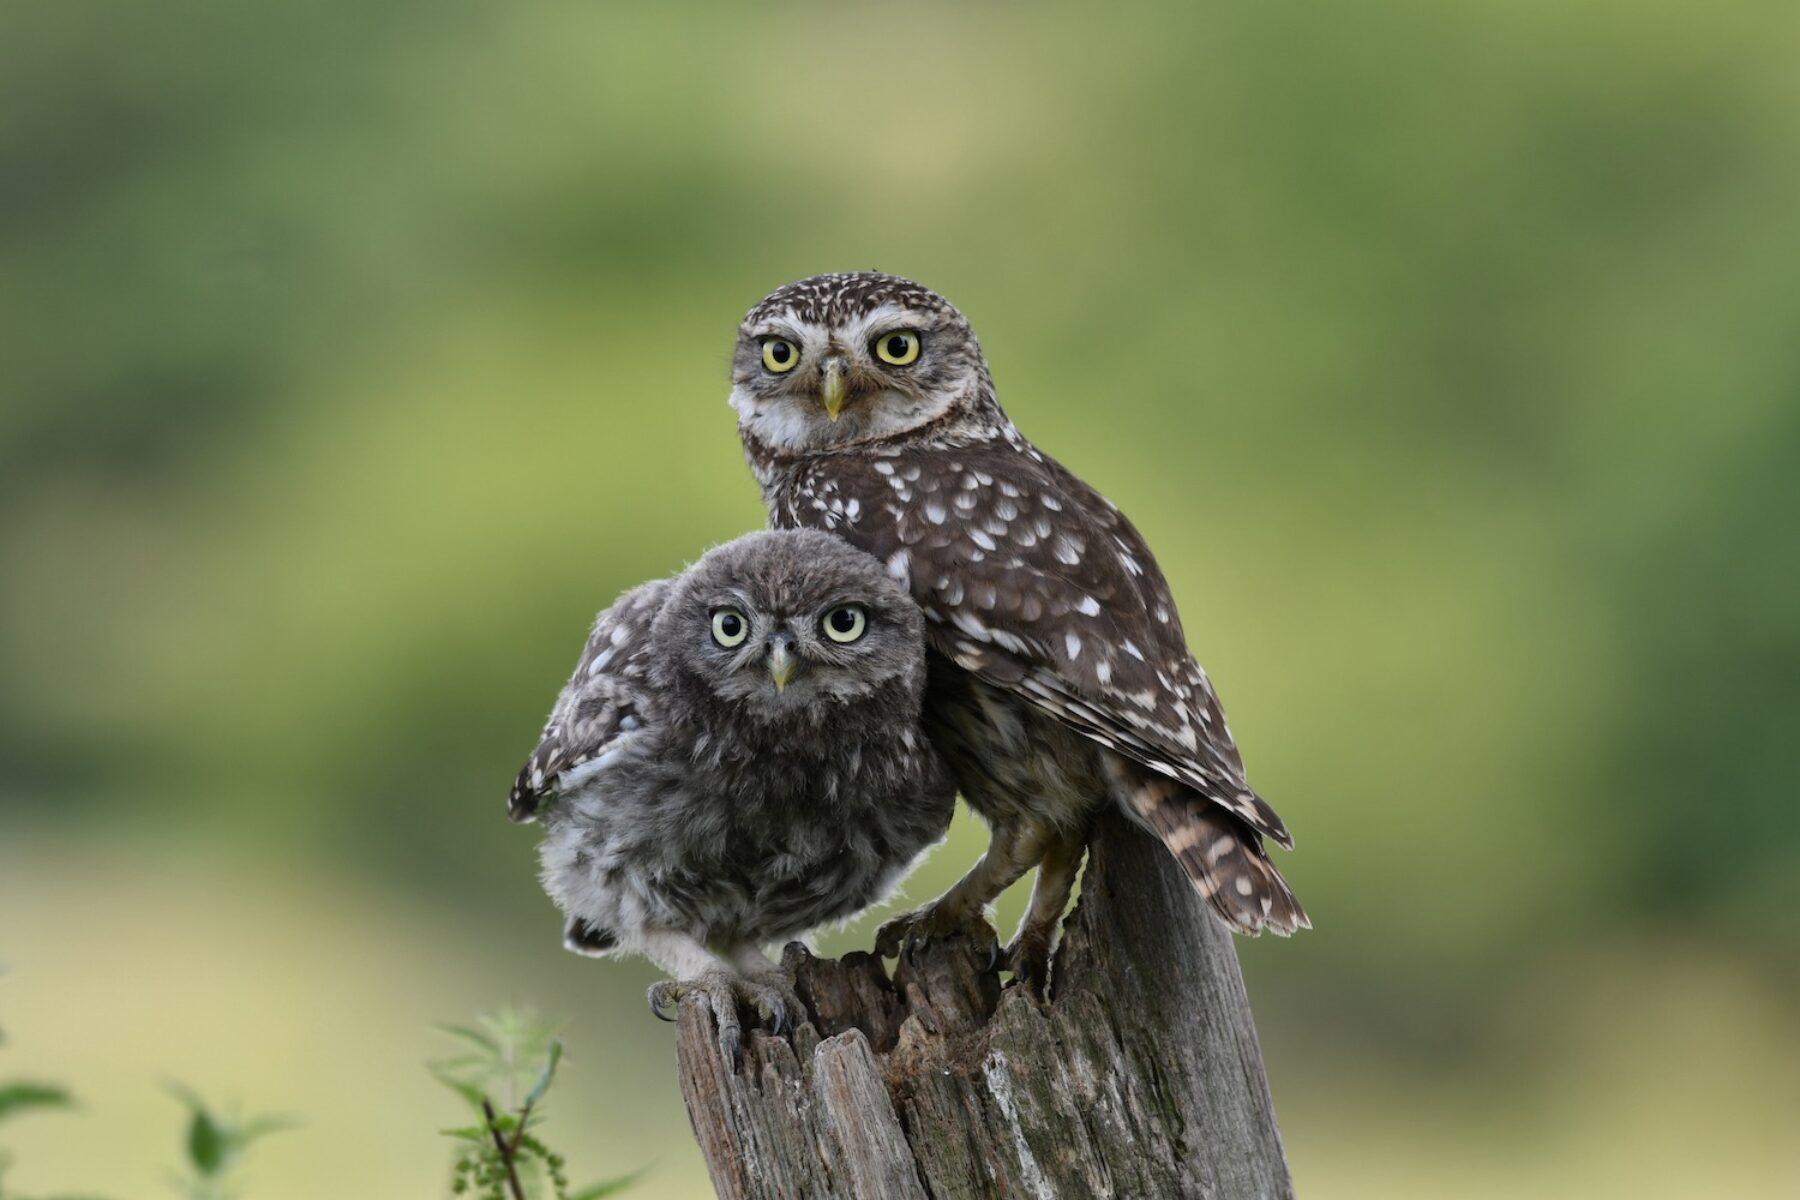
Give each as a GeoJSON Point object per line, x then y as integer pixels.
{"type": "Point", "coordinates": [1060, 676]}
{"type": "Point", "coordinates": [737, 759]}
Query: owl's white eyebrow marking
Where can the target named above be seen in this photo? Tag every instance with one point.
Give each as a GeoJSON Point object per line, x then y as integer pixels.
{"type": "Point", "coordinates": [884, 319]}
{"type": "Point", "coordinates": [787, 324]}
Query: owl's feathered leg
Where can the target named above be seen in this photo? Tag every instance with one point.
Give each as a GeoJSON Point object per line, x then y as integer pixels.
{"type": "Point", "coordinates": [702, 975]}
{"type": "Point", "coordinates": [1012, 851]}
{"type": "Point", "coordinates": [1028, 956]}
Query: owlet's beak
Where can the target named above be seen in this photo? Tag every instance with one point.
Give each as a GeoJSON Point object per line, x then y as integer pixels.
{"type": "Point", "coordinates": [831, 385]}
{"type": "Point", "coordinates": [782, 663]}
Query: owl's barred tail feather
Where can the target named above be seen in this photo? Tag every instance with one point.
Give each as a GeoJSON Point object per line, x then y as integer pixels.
{"type": "Point", "coordinates": [1222, 856]}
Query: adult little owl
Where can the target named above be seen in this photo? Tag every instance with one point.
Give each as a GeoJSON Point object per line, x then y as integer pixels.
{"type": "Point", "coordinates": [1060, 676]}
{"type": "Point", "coordinates": [737, 759]}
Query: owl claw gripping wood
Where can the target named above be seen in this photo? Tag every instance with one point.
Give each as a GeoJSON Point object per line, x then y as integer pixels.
{"type": "Point", "coordinates": [1060, 678]}
{"type": "Point", "coordinates": [738, 759]}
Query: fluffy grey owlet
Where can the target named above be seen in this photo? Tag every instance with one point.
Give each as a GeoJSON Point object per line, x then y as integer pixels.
{"type": "Point", "coordinates": [737, 759]}
{"type": "Point", "coordinates": [1060, 676]}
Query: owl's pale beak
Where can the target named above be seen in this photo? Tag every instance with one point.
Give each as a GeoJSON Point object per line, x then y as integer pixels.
{"type": "Point", "coordinates": [831, 385]}
{"type": "Point", "coordinates": [782, 663]}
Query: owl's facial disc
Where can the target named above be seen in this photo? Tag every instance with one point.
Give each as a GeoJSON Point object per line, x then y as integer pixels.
{"type": "Point", "coordinates": [807, 380]}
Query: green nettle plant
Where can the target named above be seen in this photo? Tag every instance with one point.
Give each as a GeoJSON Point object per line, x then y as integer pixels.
{"type": "Point", "coordinates": [214, 1145]}
{"type": "Point", "coordinates": [18, 1097]}
{"type": "Point", "coordinates": [507, 1064]}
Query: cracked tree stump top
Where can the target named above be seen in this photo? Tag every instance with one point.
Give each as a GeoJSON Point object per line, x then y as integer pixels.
{"type": "Point", "coordinates": [1138, 1076]}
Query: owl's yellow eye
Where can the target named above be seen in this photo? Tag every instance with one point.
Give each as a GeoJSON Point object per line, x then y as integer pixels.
{"type": "Point", "coordinates": [780, 355]}
{"type": "Point", "coordinates": [845, 623]}
{"type": "Point", "coordinates": [729, 627]}
{"type": "Point", "coordinates": [898, 348]}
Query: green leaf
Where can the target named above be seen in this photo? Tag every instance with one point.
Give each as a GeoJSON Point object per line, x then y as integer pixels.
{"type": "Point", "coordinates": [461, 1087]}
{"type": "Point", "coordinates": [474, 1036]}
{"type": "Point", "coordinates": [610, 1187]}
{"type": "Point", "coordinates": [206, 1143]}
{"type": "Point", "coordinates": [184, 1093]}
{"type": "Point", "coordinates": [552, 1056]}
{"type": "Point", "coordinates": [262, 1127]}
{"type": "Point", "coordinates": [467, 1133]}
{"type": "Point", "coordinates": [18, 1097]}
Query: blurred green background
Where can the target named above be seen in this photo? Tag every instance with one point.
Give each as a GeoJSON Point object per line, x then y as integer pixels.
{"type": "Point", "coordinates": [352, 354]}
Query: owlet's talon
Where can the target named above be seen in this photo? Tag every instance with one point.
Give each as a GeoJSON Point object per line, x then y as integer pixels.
{"type": "Point", "coordinates": [724, 994]}
{"type": "Point", "coordinates": [773, 1010]}
{"type": "Point", "coordinates": [660, 997]}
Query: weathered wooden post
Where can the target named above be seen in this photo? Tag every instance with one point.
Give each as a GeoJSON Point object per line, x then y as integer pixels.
{"type": "Point", "coordinates": [1139, 1077]}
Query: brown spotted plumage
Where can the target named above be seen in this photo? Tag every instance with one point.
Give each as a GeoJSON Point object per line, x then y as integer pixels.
{"type": "Point", "coordinates": [1062, 676]}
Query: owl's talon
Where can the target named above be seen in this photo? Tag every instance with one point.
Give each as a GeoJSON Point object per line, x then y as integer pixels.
{"type": "Point", "coordinates": [911, 934]}
{"type": "Point", "coordinates": [660, 994]}
{"type": "Point", "coordinates": [774, 1011]}
{"type": "Point", "coordinates": [1028, 958]}
{"type": "Point", "coordinates": [993, 958]}
{"type": "Point", "coordinates": [723, 992]}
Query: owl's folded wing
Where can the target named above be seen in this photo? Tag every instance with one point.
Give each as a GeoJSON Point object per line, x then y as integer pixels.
{"type": "Point", "coordinates": [604, 701]}
{"type": "Point", "coordinates": [1035, 583]}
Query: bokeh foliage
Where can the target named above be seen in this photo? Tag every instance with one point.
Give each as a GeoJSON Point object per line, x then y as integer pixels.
{"type": "Point", "coordinates": [1447, 354]}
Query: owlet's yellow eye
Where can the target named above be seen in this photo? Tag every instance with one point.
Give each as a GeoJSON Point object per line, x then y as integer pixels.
{"type": "Point", "coordinates": [845, 623]}
{"type": "Point", "coordinates": [729, 627]}
{"type": "Point", "coordinates": [780, 355]}
{"type": "Point", "coordinates": [898, 348]}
